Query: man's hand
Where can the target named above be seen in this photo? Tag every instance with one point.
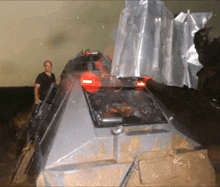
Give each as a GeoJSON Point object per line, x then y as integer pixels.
{"type": "Point", "coordinates": [37, 101]}
{"type": "Point", "coordinates": [57, 81]}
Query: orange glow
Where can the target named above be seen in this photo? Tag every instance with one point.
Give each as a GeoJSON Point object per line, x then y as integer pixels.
{"type": "Point", "coordinates": [87, 81]}
{"type": "Point", "coordinates": [87, 53]}
{"type": "Point", "coordinates": [90, 82]}
{"type": "Point", "coordinates": [147, 79]}
{"type": "Point", "coordinates": [140, 84]}
{"type": "Point", "coordinates": [99, 66]}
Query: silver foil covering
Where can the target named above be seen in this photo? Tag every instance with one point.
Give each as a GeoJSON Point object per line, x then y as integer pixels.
{"type": "Point", "coordinates": [151, 43]}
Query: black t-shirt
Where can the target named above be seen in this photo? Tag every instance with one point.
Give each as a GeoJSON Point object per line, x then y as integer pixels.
{"type": "Point", "coordinates": [45, 81]}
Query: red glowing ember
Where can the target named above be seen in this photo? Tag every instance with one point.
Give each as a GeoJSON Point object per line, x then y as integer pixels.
{"type": "Point", "coordinates": [90, 82]}
{"type": "Point", "coordinates": [140, 84]}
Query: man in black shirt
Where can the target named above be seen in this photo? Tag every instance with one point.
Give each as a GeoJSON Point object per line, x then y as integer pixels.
{"type": "Point", "coordinates": [43, 82]}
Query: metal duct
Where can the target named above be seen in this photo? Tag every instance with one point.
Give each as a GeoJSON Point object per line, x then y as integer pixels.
{"type": "Point", "coordinates": [150, 42]}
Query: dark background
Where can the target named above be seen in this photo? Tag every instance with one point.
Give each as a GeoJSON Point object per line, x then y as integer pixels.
{"type": "Point", "coordinates": [15, 105]}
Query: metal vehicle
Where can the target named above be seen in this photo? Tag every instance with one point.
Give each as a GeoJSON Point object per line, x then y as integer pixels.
{"type": "Point", "coordinates": [96, 130]}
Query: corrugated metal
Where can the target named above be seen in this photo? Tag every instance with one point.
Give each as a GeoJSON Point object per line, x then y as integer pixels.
{"type": "Point", "coordinates": [150, 42]}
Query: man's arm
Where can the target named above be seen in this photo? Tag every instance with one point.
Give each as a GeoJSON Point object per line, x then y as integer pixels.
{"type": "Point", "coordinates": [36, 94]}
{"type": "Point", "coordinates": [57, 81]}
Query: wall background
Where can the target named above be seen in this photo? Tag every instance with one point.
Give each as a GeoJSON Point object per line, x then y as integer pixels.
{"type": "Point", "coordinates": [34, 31]}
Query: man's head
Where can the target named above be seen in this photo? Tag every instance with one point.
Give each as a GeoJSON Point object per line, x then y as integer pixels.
{"type": "Point", "coordinates": [47, 66]}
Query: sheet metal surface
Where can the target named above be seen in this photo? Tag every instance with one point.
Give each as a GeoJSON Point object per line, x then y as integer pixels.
{"type": "Point", "coordinates": [150, 42]}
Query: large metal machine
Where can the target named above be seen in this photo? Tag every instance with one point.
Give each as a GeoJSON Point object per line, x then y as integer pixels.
{"type": "Point", "coordinates": [95, 130]}
{"type": "Point", "coordinates": [103, 127]}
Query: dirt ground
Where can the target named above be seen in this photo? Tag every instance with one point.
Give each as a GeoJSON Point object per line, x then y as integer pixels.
{"type": "Point", "coordinates": [15, 105]}
{"type": "Point", "coordinates": [214, 156]}
{"type": "Point", "coordinates": [198, 115]}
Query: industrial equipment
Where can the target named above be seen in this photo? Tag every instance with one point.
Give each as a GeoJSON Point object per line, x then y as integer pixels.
{"type": "Point", "coordinates": [98, 130]}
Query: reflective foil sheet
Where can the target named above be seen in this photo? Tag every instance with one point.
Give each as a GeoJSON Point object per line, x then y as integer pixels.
{"type": "Point", "coordinates": [151, 43]}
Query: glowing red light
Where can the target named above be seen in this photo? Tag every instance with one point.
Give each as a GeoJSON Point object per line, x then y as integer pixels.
{"type": "Point", "coordinates": [87, 53]}
{"type": "Point", "coordinates": [90, 82]}
{"type": "Point", "coordinates": [87, 81]}
{"type": "Point", "coordinates": [146, 79]}
{"type": "Point", "coordinates": [140, 84]}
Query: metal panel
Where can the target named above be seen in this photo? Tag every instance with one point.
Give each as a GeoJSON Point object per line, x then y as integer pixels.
{"type": "Point", "coordinates": [151, 43]}
{"type": "Point", "coordinates": [76, 127]}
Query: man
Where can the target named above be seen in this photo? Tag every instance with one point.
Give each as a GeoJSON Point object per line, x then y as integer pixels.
{"type": "Point", "coordinates": [43, 82]}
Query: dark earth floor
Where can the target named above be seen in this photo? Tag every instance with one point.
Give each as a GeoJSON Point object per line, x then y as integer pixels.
{"type": "Point", "coordinates": [199, 116]}
{"type": "Point", "coordinates": [15, 104]}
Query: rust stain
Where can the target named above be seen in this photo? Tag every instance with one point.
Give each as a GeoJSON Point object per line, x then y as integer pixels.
{"type": "Point", "coordinates": [101, 149]}
{"type": "Point", "coordinates": [129, 150]}
{"type": "Point", "coordinates": [179, 143]}
{"type": "Point", "coordinates": [40, 180]}
{"type": "Point", "coordinates": [157, 145]}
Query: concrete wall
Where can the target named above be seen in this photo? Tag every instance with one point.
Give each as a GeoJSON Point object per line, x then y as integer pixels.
{"type": "Point", "coordinates": [34, 31]}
